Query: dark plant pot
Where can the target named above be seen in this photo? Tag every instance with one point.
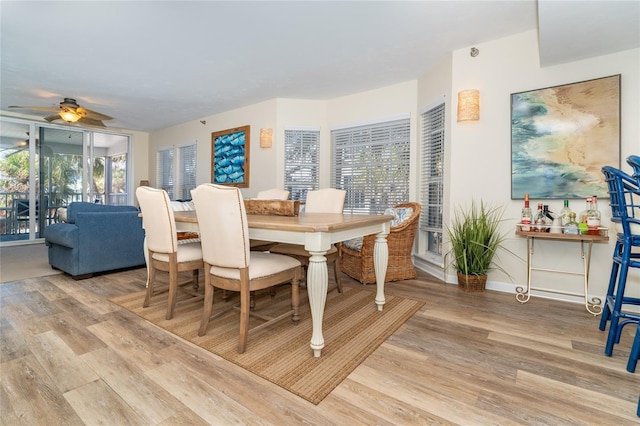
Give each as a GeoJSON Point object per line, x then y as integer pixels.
{"type": "Point", "coordinates": [471, 283]}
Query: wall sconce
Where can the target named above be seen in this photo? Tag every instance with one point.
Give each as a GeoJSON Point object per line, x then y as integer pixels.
{"type": "Point", "coordinates": [469, 105]}
{"type": "Point", "coordinates": [266, 138]}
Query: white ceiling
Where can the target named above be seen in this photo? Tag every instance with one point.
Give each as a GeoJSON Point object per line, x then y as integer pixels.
{"type": "Point", "coordinates": [155, 64]}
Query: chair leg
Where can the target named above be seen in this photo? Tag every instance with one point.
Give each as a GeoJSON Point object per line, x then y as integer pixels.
{"type": "Point", "coordinates": [295, 299]}
{"type": "Point", "coordinates": [244, 310]}
{"type": "Point", "coordinates": [208, 305]}
{"type": "Point", "coordinates": [195, 276]}
{"type": "Point", "coordinates": [606, 312]}
{"type": "Point", "coordinates": [337, 271]}
{"type": "Point", "coordinates": [152, 280]}
{"type": "Point", "coordinates": [614, 325]}
{"type": "Point", "coordinates": [173, 288]}
{"type": "Point", "coordinates": [635, 353]}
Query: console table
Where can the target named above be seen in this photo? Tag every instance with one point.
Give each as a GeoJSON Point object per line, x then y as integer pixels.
{"type": "Point", "coordinates": [593, 306]}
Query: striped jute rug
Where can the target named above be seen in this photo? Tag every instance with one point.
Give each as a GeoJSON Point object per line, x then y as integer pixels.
{"type": "Point", "coordinates": [353, 328]}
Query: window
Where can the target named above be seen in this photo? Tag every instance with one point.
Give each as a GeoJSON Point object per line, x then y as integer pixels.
{"type": "Point", "coordinates": [164, 173]}
{"type": "Point", "coordinates": [301, 162]}
{"type": "Point", "coordinates": [432, 162]}
{"type": "Point", "coordinates": [186, 179]}
{"type": "Point", "coordinates": [371, 162]}
{"type": "Point", "coordinates": [176, 171]}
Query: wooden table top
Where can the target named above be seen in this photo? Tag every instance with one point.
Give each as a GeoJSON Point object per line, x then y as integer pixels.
{"type": "Point", "coordinates": [305, 222]}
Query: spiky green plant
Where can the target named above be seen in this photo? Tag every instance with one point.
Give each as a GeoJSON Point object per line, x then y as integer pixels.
{"type": "Point", "coordinates": [475, 237]}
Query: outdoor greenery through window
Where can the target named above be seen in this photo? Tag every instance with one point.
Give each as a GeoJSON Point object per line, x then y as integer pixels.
{"type": "Point", "coordinates": [44, 167]}
{"type": "Point", "coordinates": [432, 166]}
{"type": "Point", "coordinates": [371, 162]}
{"type": "Point", "coordinates": [301, 162]}
{"type": "Point", "coordinates": [176, 171]}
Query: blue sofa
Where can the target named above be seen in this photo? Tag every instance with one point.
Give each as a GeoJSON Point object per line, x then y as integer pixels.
{"type": "Point", "coordinates": [96, 238]}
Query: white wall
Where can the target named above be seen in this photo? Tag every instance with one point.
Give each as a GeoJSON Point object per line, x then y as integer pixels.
{"type": "Point", "coordinates": [481, 151]}
{"type": "Point", "coordinates": [262, 161]}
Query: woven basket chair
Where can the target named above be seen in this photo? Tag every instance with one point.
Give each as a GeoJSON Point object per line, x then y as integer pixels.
{"type": "Point", "coordinates": [359, 264]}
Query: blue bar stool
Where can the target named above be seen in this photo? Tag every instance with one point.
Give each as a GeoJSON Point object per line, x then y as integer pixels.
{"type": "Point", "coordinates": [625, 213]}
{"type": "Point", "coordinates": [635, 353]}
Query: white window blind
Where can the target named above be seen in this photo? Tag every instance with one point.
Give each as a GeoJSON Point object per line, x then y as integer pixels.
{"type": "Point", "coordinates": [371, 162]}
{"type": "Point", "coordinates": [301, 162]}
{"type": "Point", "coordinates": [432, 165]}
{"type": "Point", "coordinates": [176, 171]}
{"type": "Point", "coordinates": [186, 179]}
{"type": "Point", "coordinates": [164, 172]}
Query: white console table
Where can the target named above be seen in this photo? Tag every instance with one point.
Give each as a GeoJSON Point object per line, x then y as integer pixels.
{"type": "Point", "coordinates": [593, 306]}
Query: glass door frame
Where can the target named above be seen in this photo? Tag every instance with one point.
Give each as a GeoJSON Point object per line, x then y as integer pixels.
{"type": "Point", "coordinates": [88, 151]}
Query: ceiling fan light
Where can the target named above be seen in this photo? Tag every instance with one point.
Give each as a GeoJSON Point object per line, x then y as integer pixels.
{"type": "Point", "coordinates": [69, 116]}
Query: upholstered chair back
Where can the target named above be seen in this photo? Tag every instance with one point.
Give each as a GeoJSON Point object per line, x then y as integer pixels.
{"type": "Point", "coordinates": [327, 200]}
{"type": "Point", "coordinates": [222, 220]}
{"type": "Point", "coordinates": [157, 219]}
{"type": "Point", "coordinates": [273, 194]}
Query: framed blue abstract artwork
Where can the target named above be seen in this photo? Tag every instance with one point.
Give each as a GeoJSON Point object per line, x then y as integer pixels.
{"type": "Point", "coordinates": [230, 157]}
{"type": "Point", "coordinates": [561, 137]}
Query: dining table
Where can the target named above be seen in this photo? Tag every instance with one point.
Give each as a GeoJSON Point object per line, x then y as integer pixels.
{"type": "Point", "coordinates": [316, 232]}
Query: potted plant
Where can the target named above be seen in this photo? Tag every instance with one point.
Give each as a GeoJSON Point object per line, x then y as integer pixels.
{"type": "Point", "coordinates": [475, 238]}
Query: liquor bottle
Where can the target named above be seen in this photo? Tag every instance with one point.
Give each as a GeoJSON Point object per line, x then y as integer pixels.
{"type": "Point", "coordinates": [582, 219]}
{"type": "Point", "coordinates": [564, 213]}
{"type": "Point", "coordinates": [548, 217]}
{"type": "Point", "coordinates": [571, 228]}
{"type": "Point", "coordinates": [526, 217]}
{"type": "Point", "coordinates": [593, 218]}
{"type": "Point", "coordinates": [539, 221]}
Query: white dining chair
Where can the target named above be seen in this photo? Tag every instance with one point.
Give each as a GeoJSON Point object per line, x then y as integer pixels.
{"type": "Point", "coordinates": [230, 265]}
{"type": "Point", "coordinates": [163, 251]}
{"type": "Point", "coordinates": [327, 200]}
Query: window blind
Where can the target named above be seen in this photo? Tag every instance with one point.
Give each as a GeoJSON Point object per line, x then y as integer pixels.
{"type": "Point", "coordinates": [187, 171]}
{"type": "Point", "coordinates": [432, 166]}
{"type": "Point", "coordinates": [164, 172]}
{"type": "Point", "coordinates": [176, 170]}
{"type": "Point", "coordinates": [371, 162]}
{"type": "Point", "coordinates": [301, 162]}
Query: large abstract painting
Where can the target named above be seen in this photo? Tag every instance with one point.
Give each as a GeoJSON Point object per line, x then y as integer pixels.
{"type": "Point", "coordinates": [561, 137]}
{"type": "Point", "coordinates": [230, 157]}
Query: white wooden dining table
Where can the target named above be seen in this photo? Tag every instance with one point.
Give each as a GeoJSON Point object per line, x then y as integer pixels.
{"type": "Point", "coordinates": [316, 232]}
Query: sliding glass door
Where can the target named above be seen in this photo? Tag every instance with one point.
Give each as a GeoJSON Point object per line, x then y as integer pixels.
{"type": "Point", "coordinates": [45, 167]}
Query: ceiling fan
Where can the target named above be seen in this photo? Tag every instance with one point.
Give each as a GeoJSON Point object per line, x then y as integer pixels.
{"type": "Point", "coordinates": [71, 112]}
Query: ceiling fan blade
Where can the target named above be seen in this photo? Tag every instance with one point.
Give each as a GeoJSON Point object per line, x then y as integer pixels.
{"type": "Point", "coordinates": [91, 122]}
{"type": "Point", "coordinates": [52, 118]}
{"type": "Point", "coordinates": [94, 114]}
{"type": "Point", "coordinates": [37, 108]}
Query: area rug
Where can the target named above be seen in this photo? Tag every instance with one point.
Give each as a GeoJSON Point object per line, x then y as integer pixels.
{"type": "Point", "coordinates": [353, 328]}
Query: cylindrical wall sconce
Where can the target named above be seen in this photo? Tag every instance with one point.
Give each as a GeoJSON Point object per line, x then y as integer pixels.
{"type": "Point", "coordinates": [266, 138]}
{"type": "Point", "coordinates": [469, 105]}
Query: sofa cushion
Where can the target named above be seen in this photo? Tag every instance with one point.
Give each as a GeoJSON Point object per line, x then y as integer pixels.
{"type": "Point", "coordinates": [182, 206]}
{"type": "Point", "coordinates": [83, 207]}
{"type": "Point", "coordinates": [62, 214]}
{"type": "Point", "coordinates": [400, 214]}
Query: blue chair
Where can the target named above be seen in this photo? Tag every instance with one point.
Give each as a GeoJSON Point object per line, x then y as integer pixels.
{"type": "Point", "coordinates": [634, 162]}
{"type": "Point", "coordinates": [635, 353]}
{"type": "Point", "coordinates": [625, 214]}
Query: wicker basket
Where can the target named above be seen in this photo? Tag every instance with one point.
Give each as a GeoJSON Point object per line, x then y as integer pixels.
{"type": "Point", "coordinates": [359, 264]}
{"type": "Point", "coordinates": [471, 283]}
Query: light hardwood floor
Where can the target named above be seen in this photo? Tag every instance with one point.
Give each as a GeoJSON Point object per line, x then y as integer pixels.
{"type": "Point", "coordinates": [68, 356]}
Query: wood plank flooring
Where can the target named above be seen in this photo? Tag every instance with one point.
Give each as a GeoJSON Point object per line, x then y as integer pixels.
{"type": "Point", "coordinates": [69, 356]}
